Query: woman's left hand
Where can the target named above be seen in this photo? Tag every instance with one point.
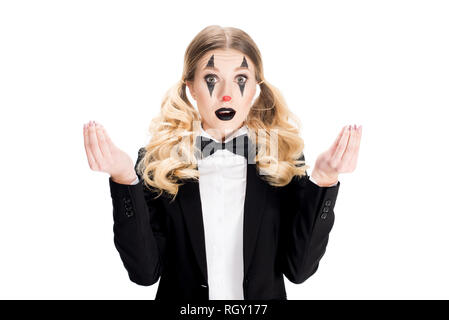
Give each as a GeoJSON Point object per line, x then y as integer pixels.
{"type": "Point", "coordinates": [341, 157]}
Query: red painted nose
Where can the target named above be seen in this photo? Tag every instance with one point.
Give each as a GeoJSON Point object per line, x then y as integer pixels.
{"type": "Point", "coordinates": [226, 98]}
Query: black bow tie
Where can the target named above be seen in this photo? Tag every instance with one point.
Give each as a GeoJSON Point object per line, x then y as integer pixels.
{"type": "Point", "coordinates": [240, 145]}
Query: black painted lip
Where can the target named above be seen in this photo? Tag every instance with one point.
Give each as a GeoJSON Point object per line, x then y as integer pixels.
{"type": "Point", "coordinates": [228, 116]}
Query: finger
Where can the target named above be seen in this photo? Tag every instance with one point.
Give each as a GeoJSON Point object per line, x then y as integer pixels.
{"type": "Point", "coordinates": [335, 144]}
{"type": "Point", "coordinates": [108, 139]}
{"type": "Point", "coordinates": [336, 157]}
{"type": "Point", "coordinates": [353, 161]}
{"type": "Point", "coordinates": [90, 158]}
{"type": "Point", "coordinates": [104, 147]}
{"type": "Point", "coordinates": [349, 152]}
{"type": "Point", "coordinates": [94, 144]}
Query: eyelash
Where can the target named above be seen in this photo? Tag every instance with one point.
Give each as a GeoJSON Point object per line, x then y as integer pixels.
{"type": "Point", "coordinates": [213, 75]}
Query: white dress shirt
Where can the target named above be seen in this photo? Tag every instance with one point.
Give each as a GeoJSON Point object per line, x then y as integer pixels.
{"type": "Point", "coordinates": [222, 185]}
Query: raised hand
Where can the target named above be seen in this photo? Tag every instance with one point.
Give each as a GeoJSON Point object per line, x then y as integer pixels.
{"type": "Point", "coordinates": [103, 155]}
{"type": "Point", "coordinates": [341, 157]}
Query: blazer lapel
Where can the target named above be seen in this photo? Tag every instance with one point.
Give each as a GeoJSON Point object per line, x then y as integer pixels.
{"type": "Point", "coordinates": [255, 196]}
{"type": "Point", "coordinates": [189, 198]}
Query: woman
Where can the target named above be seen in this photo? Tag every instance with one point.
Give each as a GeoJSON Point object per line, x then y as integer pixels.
{"type": "Point", "coordinates": [219, 204]}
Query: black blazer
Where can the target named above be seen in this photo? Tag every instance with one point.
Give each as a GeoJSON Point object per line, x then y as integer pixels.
{"type": "Point", "coordinates": [286, 231]}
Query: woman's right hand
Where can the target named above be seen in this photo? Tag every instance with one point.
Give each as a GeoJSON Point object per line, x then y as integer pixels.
{"type": "Point", "coordinates": [103, 155]}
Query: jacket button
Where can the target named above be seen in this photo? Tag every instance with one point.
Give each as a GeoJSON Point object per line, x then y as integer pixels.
{"type": "Point", "coordinates": [327, 203]}
{"type": "Point", "coordinates": [324, 216]}
{"type": "Point", "coordinates": [129, 213]}
{"type": "Point", "coordinates": [326, 209]}
{"type": "Point", "coordinates": [204, 286]}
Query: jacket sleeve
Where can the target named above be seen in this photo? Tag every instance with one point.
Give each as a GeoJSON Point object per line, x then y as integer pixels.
{"type": "Point", "coordinates": [139, 229]}
{"type": "Point", "coordinates": [307, 219]}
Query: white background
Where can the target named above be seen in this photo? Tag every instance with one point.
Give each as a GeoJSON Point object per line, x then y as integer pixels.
{"type": "Point", "coordinates": [381, 64]}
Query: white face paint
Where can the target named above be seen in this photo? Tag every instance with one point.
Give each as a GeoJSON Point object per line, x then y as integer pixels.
{"type": "Point", "coordinates": [228, 84]}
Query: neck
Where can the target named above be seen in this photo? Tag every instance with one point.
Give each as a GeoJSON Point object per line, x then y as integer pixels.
{"type": "Point", "coordinates": [220, 135]}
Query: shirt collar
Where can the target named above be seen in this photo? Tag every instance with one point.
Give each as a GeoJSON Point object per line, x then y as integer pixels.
{"type": "Point", "coordinates": [240, 131]}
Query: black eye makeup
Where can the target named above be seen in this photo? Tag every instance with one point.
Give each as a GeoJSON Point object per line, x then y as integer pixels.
{"type": "Point", "coordinates": [242, 79]}
{"type": "Point", "coordinates": [242, 84]}
{"type": "Point", "coordinates": [210, 63]}
{"type": "Point", "coordinates": [210, 85]}
{"type": "Point", "coordinates": [211, 79]}
{"type": "Point", "coordinates": [244, 63]}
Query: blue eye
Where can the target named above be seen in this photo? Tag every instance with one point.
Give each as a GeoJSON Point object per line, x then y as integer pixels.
{"type": "Point", "coordinates": [212, 78]}
{"type": "Point", "coordinates": [242, 79]}
{"type": "Point", "coordinates": [209, 78]}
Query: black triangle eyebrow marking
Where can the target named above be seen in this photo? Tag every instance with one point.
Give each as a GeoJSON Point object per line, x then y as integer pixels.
{"type": "Point", "coordinates": [210, 63]}
{"type": "Point", "coordinates": [244, 63]}
{"type": "Point", "coordinates": [210, 86]}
